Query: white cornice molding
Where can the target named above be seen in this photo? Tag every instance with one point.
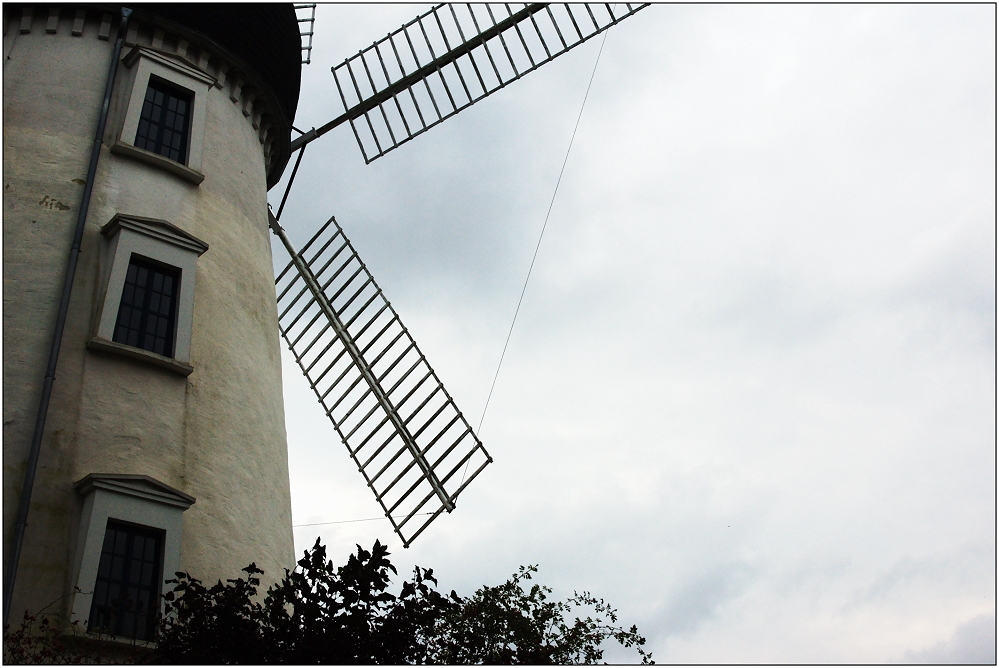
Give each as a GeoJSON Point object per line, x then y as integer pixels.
{"type": "Point", "coordinates": [170, 60]}
{"type": "Point", "coordinates": [157, 229]}
{"type": "Point", "coordinates": [140, 486]}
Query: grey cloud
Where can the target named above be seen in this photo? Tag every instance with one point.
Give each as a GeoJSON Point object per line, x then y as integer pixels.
{"type": "Point", "coordinates": [765, 299]}
{"type": "Point", "coordinates": [772, 310]}
{"type": "Point", "coordinates": [964, 569]}
{"type": "Point", "coordinates": [700, 597]}
{"type": "Point", "coordinates": [973, 642]}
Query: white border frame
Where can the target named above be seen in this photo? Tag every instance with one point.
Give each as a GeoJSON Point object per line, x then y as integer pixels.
{"type": "Point", "coordinates": [160, 241]}
{"type": "Point", "coordinates": [143, 63]}
{"type": "Point", "coordinates": [133, 499]}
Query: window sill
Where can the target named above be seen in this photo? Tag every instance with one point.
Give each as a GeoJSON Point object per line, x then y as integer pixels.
{"type": "Point", "coordinates": [168, 363]}
{"type": "Point", "coordinates": [157, 160]}
{"type": "Point", "coordinates": [110, 649]}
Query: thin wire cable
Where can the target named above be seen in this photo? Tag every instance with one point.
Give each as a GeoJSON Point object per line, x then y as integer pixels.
{"type": "Point", "coordinates": [526, 280]}
{"type": "Point", "coordinates": [366, 519]}
{"type": "Point", "coordinates": [540, 237]}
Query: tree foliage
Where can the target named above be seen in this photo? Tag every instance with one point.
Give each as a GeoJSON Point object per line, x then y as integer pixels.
{"type": "Point", "coordinates": [39, 639]}
{"type": "Point", "coordinates": [319, 613]}
{"type": "Point", "coordinates": [506, 625]}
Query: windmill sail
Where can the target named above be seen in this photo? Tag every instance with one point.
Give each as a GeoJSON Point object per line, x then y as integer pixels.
{"type": "Point", "coordinates": [413, 446]}
{"type": "Point", "coordinates": [306, 14]}
{"type": "Point", "coordinates": [447, 59]}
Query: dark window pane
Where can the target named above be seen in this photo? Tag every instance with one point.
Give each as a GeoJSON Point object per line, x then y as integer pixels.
{"type": "Point", "coordinates": [134, 571]}
{"type": "Point", "coordinates": [127, 590]}
{"type": "Point", "coordinates": [164, 121]}
{"type": "Point", "coordinates": [138, 547]}
{"type": "Point", "coordinates": [147, 314]}
{"type": "Point", "coordinates": [126, 626]}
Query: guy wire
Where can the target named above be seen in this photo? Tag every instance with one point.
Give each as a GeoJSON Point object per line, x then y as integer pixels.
{"type": "Point", "coordinates": [542, 235]}
{"type": "Point", "coordinates": [523, 291]}
{"type": "Point", "coordinates": [538, 246]}
{"type": "Point", "coordinates": [365, 519]}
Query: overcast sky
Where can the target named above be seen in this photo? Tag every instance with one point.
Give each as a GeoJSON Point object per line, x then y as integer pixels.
{"type": "Point", "coordinates": [750, 396]}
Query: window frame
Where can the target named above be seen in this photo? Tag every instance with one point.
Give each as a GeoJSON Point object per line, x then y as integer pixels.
{"type": "Point", "coordinates": [166, 88]}
{"type": "Point", "coordinates": [146, 309]}
{"type": "Point", "coordinates": [154, 589]}
{"type": "Point", "coordinates": [137, 500]}
{"type": "Point", "coordinates": [162, 243]}
{"type": "Point", "coordinates": [141, 65]}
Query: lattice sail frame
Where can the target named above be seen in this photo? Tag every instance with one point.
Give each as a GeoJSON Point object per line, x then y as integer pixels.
{"type": "Point", "coordinates": [306, 14]}
{"type": "Point", "coordinates": [454, 55]}
{"type": "Point", "coordinates": [400, 426]}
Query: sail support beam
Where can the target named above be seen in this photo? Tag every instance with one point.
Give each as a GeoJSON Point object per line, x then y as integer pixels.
{"type": "Point", "coordinates": [400, 118]}
{"type": "Point", "coordinates": [364, 366]}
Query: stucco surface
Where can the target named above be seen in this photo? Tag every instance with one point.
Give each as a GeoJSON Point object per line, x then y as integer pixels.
{"type": "Point", "coordinates": [219, 433]}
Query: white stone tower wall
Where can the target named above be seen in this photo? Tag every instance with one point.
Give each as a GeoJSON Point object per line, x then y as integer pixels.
{"type": "Point", "coordinates": [216, 434]}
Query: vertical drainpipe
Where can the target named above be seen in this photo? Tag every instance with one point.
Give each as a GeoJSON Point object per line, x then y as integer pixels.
{"type": "Point", "coordinates": [67, 289]}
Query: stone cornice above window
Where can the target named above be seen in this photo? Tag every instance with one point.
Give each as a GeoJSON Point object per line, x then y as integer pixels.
{"type": "Point", "coordinates": [168, 60]}
{"type": "Point", "coordinates": [157, 229]}
{"type": "Point", "coordinates": [140, 486]}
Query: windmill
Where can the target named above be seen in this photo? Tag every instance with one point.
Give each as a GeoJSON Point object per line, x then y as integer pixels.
{"type": "Point", "coordinates": [410, 442]}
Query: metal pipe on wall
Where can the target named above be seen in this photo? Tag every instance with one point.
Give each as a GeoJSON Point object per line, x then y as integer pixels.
{"type": "Point", "coordinates": [67, 289]}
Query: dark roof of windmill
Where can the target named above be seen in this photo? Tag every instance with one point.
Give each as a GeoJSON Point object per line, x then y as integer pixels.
{"type": "Point", "coordinates": [265, 36]}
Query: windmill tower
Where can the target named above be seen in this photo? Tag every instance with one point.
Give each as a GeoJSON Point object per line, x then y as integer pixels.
{"type": "Point", "coordinates": [164, 439]}
{"type": "Point", "coordinates": [164, 432]}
